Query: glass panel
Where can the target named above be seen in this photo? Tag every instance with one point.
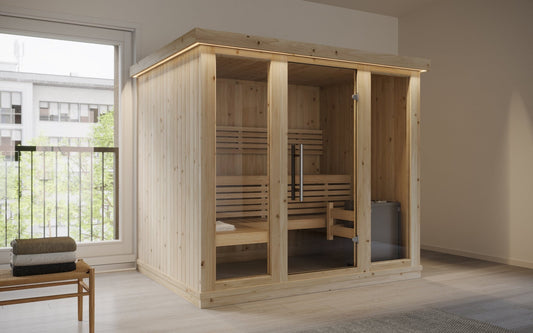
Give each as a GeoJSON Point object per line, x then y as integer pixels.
{"type": "Point", "coordinates": [16, 98]}
{"type": "Point", "coordinates": [321, 128]}
{"type": "Point", "coordinates": [5, 100]}
{"type": "Point", "coordinates": [242, 194]}
{"type": "Point", "coordinates": [63, 108]}
{"type": "Point", "coordinates": [390, 168]}
{"type": "Point", "coordinates": [54, 112]}
{"type": "Point", "coordinates": [74, 115]}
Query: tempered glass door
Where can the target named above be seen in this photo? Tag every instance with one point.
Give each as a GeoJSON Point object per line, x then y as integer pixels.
{"type": "Point", "coordinates": [242, 184]}
{"type": "Point", "coordinates": [321, 150]}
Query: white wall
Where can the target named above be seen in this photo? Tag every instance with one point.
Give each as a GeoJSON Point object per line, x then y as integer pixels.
{"type": "Point", "coordinates": [477, 126]}
{"type": "Point", "coordinates": [161, 21]}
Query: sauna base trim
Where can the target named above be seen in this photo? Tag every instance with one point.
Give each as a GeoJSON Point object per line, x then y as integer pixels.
{"type": "Point", "coordinates": [299, 284]}
{"type": "Point", "coordinates": [169, 282]}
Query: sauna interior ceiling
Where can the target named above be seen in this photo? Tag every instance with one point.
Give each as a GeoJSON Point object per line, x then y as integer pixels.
{"type": "Point", "coordinates": [396, 8]}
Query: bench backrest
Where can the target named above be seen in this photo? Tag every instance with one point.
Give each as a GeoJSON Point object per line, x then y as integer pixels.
{"type": "Point", "coordinates": [247, 196]}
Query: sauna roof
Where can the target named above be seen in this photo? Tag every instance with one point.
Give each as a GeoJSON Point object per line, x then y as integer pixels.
{"type": "Point", "coordinates": [200, 36]}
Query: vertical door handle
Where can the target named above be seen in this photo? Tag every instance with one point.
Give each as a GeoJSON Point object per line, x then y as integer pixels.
{"type": "Point", "coordinates": [293, 172]}
{"type": "Point", "coordinates": [301, 172]}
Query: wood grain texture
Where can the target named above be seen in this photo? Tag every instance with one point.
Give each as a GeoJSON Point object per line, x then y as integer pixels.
{"type": "Point", "coordinates": [364, 169]}
{"type": "Point", "coordinates": [208, 117]}
{"type": "Point", "coordinates": [171, 155]}
{"type": "Point", "coordinates": [337, 120]}
{"type": "Point", "coordinates": [236, 40]}
{"type": "Point", "coordinates": [413, 112]}
{"type": "Point", "coordinates": [241, 104]}
{"type": "Point", "coordinates": [207, 109]}
{"type": "Point", "coordinates": [278, 140]}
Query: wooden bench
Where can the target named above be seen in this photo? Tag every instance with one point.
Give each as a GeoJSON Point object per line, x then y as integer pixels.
{"type": "Point", "coordinates": [8, 282]}
{"type": "Point", "coordinates": [243, 202]}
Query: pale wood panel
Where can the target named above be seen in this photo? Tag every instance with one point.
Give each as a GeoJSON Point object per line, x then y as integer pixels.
{"type": "Point", "coordinates": [242, 68]}
{"type": "Point", "coordinates": [242, 104]}
{"type": "Point", "coordinates": [363, 171]}
{"type": "Point", "coordinates": [318, 76]}
{"type": "Point", "coordinates": [207, 141]}
{"type": "Point", "coordinates": [337, 119]}
{"type": "Point", "coordinates": [390, 144]}
{"type": "Point", "coordinates": [304, 114]}
{"type": "Point", "coordinates": [278, 141]}
{"type": "Point", "coordinates": [413, 111]}
{"type": "Point", "coordinates": [236, 40]}
{"type": "Point", "coordinates": [171, 157]}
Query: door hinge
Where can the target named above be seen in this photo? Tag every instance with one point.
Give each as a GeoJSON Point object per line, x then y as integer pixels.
{"type": "Point", "coordinates": [355, 97]}
{"type": "Point", "coordinates": [355, 239]}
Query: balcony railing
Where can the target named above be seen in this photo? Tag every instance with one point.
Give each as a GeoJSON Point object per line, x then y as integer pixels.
{"type": "Point", "coordinates": [59, 191]}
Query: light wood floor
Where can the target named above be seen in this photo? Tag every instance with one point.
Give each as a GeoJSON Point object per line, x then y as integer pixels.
{"type": "Point", "coordinates": [130, 302]}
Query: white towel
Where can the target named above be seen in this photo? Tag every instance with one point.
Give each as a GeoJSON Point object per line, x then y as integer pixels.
{"type": "Point", "coordinates": [42, 258]}
{"type": "Point", "coordinates": [222, 226]}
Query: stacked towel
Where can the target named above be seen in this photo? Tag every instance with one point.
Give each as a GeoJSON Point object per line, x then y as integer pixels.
{"type": "Point", "coordinates": [223, 226]}
{"type": "Point", "coordinates": [43, 256]}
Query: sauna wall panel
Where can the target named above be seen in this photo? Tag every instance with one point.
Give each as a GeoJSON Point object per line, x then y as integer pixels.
{"type": "Point", "coordinates": [172, 169]}
{"type": "Point", "coordinates": [337, 122]}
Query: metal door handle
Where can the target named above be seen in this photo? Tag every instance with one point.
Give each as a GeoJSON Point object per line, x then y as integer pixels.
{"type": "Point", "coordinates": [301, 172]}
{"type": "Point", "coordinates": [293, 172]}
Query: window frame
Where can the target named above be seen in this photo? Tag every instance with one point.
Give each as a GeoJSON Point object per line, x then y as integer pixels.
{"type": "Point", "coordinates": [122, 251]}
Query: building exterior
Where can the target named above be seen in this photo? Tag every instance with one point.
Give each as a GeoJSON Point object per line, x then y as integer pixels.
{"type": "Point", "coordinates": [61, 109]}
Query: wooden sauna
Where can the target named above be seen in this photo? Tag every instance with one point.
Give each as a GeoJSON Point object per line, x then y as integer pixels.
{"type": "Point", "coordinates": [269, 168]}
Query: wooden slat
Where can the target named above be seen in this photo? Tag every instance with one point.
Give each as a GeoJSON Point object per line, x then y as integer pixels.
{"type": "Point", "coordinates": [341, 231]}
{"type": "Point", "coordinates": [250, 140]}
{"type": "Point", "coordinates": [239, 195]}
{"type": "Point", "coordinates": [307, 222]}
{"type": "Point", "coordinates": [239, 208]}
{"type": "Point", "coordinates": [341, 214]}
{"type": "Point", "coordinates": [240, 214]}
{"type": "Point", "coordinates": [231, 202]}
{"type": "Point", "coordinates": [241, 235]}
{"type": "Point", "coordinates": [241, 180]}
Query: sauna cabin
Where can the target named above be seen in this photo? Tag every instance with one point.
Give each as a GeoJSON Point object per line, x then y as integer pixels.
{"type": "Point", "coordinates": [269, 168]}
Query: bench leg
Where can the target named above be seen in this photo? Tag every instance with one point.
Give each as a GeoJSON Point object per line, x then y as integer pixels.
{"type": "Point", "coordinates": [91, 300]}
{"type": "Point", "coordinates": [329, 221]}
{"type": "Point", "coordinates": [80, 300]}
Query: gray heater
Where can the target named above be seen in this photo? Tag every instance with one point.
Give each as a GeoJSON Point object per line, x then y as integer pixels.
{"type": "Point", "coordinates": [386, 233]}
{"type": "Point", "coordinates": [386, 230]}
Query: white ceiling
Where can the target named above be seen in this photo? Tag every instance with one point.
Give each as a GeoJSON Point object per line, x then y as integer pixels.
{"type": "Point", "coordinates": [396, 8]}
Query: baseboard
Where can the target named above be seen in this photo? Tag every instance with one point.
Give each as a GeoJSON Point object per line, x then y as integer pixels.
{"type": "Point", "coordinates": [169, 282]}
{"type": "Point", "coordinates": [112, 268]}
{"type": "Point", "coordinates": [507, 261]}
{"type": "Point", "coordinates": [329, 282]}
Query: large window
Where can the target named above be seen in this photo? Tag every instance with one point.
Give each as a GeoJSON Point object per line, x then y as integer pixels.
{"type": "Point", "coordinates": [62, 86]}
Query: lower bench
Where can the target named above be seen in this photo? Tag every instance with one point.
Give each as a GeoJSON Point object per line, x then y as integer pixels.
{"type": "Point", "coordinates": [8, 282]}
